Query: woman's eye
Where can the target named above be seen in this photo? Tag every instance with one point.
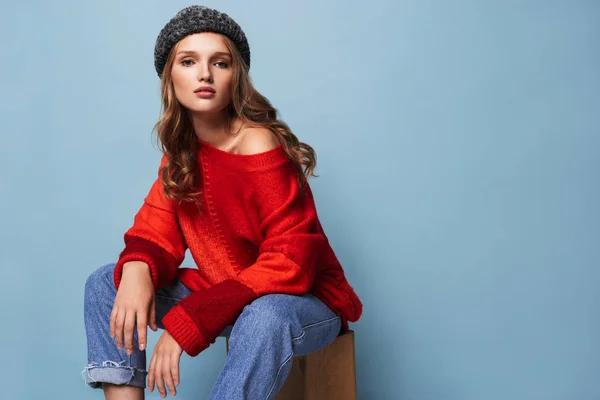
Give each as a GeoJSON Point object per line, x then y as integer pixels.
{"type": "Point", "coordinates": [191, 61]}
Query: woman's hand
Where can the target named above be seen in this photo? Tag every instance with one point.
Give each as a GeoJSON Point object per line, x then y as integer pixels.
{"type": "Point", "coordinates": [133, 303]}
{"type": "Point", "coordinates": [164, 366]}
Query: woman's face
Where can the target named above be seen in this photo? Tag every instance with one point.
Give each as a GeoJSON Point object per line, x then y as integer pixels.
{"type": "Point", "coordinates": [202, 59]}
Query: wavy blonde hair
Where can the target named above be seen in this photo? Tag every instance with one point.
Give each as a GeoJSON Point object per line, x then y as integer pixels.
{"type": "Point", "coordinates": [176, 137]}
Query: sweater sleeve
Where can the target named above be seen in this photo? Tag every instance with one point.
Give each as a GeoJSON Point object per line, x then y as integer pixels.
{"type": "Point", "coordinates": [292, 240]}
{"type": "Point", "coordinates": [154, 238]}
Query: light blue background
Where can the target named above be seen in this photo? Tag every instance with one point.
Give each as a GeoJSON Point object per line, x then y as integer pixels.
{"type": "Point", "coordinates": [458, 147]}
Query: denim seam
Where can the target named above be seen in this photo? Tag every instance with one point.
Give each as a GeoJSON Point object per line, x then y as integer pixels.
{"type": "Point", "coordinates": [290, 357]}
{"type": "Point", "coordinates": [312, 326]}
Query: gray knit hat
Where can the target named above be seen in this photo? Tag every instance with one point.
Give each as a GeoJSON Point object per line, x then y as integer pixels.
{"type": "Point", "coordinates": [196, 19]}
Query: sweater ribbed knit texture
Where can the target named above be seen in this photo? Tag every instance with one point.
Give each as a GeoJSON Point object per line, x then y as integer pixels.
{"type": "Point", "coordinates": [255, 234]}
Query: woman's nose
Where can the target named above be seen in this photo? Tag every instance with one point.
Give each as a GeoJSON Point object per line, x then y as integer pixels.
{"type": "Point", "coordinates": [204, 73]}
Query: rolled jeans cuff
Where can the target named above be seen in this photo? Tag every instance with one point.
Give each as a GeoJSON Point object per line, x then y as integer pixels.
{"type": "Point", "coordinates": [112, 372]}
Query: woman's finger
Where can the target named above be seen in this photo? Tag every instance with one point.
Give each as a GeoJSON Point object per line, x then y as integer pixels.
{"type": "Point", "coordinates": [168, 377]}
{"type": "Point", "coordinates": [151, 374]}
{"type": "Point", "coordinates": [113, 316]}
{"type": "Point", "coordinates": [119, 322]}
{"type": "Point", "coordinates": [175, 369]}
{"type": "Point", "coordinates": [129, 327]}
{"type": "Point", "coordinates": [160, 383]}
{"type": "Point", "coordinates": [141, 330]}
{"type": "Point", "coordinates": [153, 314]}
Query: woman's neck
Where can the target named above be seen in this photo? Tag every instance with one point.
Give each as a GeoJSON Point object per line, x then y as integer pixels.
{"type": "Point", "coordinates": [214, 132]}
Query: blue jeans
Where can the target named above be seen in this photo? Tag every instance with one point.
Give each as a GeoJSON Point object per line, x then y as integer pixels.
{"type": "Point", "coordinates": [266, 336]}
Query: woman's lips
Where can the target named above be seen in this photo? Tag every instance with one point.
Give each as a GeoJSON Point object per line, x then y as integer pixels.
{"type": "Point", "coordinates": [204, 94]}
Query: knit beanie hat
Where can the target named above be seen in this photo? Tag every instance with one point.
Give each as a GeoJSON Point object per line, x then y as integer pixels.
{"type": "Point", "coordinates": [196, 19]}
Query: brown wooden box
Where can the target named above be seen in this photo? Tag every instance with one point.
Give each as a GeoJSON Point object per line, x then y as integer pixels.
{"type": "Point", "coordinates": [327, 374]}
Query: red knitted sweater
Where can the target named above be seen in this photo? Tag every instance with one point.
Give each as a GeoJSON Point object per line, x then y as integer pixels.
{"type": "Point", "coordinates": [254, 234]}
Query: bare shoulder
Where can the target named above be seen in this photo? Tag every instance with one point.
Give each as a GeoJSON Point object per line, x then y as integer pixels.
{"type": "Point", "coordinates": [257, 140]}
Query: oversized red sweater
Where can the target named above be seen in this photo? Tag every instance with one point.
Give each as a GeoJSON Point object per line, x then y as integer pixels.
{"type": "Point", "coordinates": [254, 234]}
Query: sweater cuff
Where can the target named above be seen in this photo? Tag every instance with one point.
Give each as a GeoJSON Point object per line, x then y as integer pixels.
{"type": "Point", "coordinates": [184, 331]}
{"type": "Point", "coordinates": [211, 310]}
{"type": "Point", "coordinates": [163, 266]}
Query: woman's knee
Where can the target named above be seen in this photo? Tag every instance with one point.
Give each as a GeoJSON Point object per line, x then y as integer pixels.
{"type": "Point", "coordinates": [100, 282]}
{"type": "Point", "coordinates": [271, 314]}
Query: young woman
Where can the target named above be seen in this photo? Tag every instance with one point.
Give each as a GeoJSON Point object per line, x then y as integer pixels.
{"type": "Point", "coordinates": [232, 187]}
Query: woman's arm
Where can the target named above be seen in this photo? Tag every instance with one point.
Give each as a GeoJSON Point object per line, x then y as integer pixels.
{"type": "Point", "coordinates": [154, 238]}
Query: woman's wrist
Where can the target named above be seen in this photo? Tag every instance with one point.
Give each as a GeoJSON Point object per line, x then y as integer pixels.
{"type": "Point", "coordinates": [136, 266]}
